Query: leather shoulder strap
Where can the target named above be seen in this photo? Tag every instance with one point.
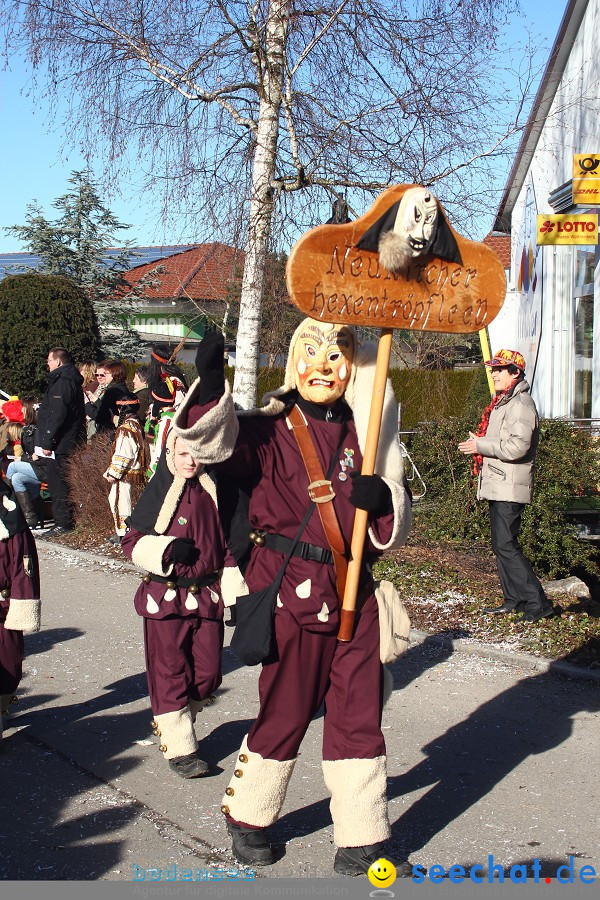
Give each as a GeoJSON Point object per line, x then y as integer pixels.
{"type": "Point", "coordinates": [321, 492]}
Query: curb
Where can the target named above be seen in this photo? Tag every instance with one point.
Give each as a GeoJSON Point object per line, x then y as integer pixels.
{"type": "Point", "coordinates": [468, 646]}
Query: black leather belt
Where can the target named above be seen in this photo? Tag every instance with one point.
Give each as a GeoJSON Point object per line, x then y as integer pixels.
{"type": "Point", "coordinates": [190, 583]}
{"type": "Point", "coordinates": [282, 544]}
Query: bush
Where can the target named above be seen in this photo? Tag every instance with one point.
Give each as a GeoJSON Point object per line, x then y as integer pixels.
{"type": "Point", "coordinates": [568, 465]}
{"type": "Point", "coordinates": [40, 312]}
{"type": "Point", "coordinates": [88, 490]}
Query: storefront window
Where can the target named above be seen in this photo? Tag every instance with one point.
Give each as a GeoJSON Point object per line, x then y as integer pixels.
{"type": "Point", "coordinates": [584, 331]}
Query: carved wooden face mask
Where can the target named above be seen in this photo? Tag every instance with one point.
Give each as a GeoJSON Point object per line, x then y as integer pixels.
{"type": "Point", "coordinates": [322, 357]}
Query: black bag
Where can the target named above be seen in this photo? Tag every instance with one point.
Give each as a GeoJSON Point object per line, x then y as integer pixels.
{"type": "Point", "coordinates": [252, 639]}
{"type": "Point", "coordinates": [253, 635]}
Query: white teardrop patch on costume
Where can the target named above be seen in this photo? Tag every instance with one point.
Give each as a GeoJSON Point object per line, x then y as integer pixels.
{"type": "Point", "coordinates": [170, 594]}
{"type": "Point", "coordinates": [151, 604]}
{"type": "Point", "coordinates": [8, 503]}
{"type": "Point", "coordinates": [279, 603]}
{"type": "Point", "coordinates": [191, 602]}
{"type": "Point", "coordinates": [303, 590]}
{"type": "Point", "coordinates": [213, 596]}
{"type": "Point", "coordinates": [323, 616]}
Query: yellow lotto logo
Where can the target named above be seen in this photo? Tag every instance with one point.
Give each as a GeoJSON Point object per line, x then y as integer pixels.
{"type": "Point", "coordinates": [381, 873]}
{"type": "Point", "coordinates": [586, 179]}
{"type": "Point", "coordinates": [567, 229]}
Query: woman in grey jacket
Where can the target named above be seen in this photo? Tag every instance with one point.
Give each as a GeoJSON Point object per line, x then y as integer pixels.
{"type": "Point", "coordinates": [503, 451]}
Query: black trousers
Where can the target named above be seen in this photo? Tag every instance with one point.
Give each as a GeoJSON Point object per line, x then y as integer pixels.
{"type": "Point", "coordinates": [520, 584]}
{"type": "Point", "coordinates": [54, 470]}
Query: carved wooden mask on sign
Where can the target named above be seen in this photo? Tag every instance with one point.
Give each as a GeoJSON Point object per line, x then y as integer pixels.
{"type": "Point", "coordinates": [401, 265]}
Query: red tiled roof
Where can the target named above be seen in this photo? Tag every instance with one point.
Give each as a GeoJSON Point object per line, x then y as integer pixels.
{"type": "Point", "coordinates": [201, 273]}
{"type": "Point", "coordinates": [500, 244]}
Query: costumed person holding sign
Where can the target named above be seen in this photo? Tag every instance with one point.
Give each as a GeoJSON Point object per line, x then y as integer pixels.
{"type": "Point", "coordinates": [504, 449]}
{"type": "Point", "coordinates": [315, 424]}
{"type": "Point", "coordinates": [20, 604]}
{"type": "Point", "coordinates": [175, 536]}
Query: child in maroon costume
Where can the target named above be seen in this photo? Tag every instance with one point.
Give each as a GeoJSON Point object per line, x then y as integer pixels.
{"type": "Point", "coordinates": [19, 593]}
{"type": "Point", "coordinates": [308, 665]}
{"type": "Point", "coordinates": [176, 537]}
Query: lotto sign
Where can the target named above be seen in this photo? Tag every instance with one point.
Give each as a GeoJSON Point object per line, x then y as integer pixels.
{"type": "Point", "coordinates": [586, 179]}
{"type": "Point", "coordinates": [567, 229]}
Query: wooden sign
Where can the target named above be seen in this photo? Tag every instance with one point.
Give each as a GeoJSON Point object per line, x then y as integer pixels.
{"type": "Point", "coordinates": [332, 275]}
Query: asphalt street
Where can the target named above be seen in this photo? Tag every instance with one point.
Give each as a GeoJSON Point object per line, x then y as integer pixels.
{"type": "Point", "coordinates": [486, 755]}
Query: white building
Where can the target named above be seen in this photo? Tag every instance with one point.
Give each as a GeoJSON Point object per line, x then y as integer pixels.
{"type": "Point", "coordinates": [551, 315]}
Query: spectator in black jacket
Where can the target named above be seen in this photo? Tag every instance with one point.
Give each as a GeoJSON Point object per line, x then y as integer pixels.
{"type": "Point", "coordinates": [60, 427]}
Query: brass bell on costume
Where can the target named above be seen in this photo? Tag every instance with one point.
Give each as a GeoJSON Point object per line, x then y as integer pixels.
{"type": "Point", "coordinates": [163, 747]}
{"type": "Point", "coordinates": [146, 579]}
{"type": "Point", "coordinates": [243, 758]}
{"type": "Point", "coordinates": [238, 773]}
{"type": "Point", "coordinates": [229, 791]}
{"type": "Point", "coordinates": [193, 589]}
{"type": "Point", "coordinates": [225, 810]}
{"type": "Point", "coordinates": [171, 585]}
{"type": "Point", "coordinates": [257, 538]}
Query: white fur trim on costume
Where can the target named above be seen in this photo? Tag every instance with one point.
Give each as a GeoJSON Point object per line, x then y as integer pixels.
{"type": "Point", "coordinates": [3, 531]}
{"type": "Point", "coordinates": [149, 551]}
{"type": "Point", "coordinates": [177, 733]}
{"type": "Point", "coordinates": [232, 585]}
{"type": "Point", "coordinates": [24, 615]}
{"type": "Point", "coordinates": [212, 438]}
{"type": "Point", "coordinates": [259, 791]}
{"type": "Point", "coordinates": [196, 706]}
{"type": "Point", "coordinates": [170, 504]}
{"type": "Point", "coordinates": [358, 806]}
{"type": "Point", "coordinates": [402, 518]}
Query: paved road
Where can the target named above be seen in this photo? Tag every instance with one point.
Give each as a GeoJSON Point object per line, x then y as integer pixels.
{"type": "Point", "coordinates": [485, 755]}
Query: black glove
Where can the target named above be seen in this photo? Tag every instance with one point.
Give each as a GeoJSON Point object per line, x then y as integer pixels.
{"type": "Point", "coordinates": [370, 492]}
{"type": "Point", "coordinates": [209, 365]}
{"type": "Point", "coordinates": [184, 551]}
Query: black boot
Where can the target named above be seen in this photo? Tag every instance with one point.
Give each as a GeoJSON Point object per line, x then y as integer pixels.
{"type": "Point", "coordinates": [26, 504]}
{"type": "Point", "coordinates": [250, 845]}
{"type": "Point", "coordinates": [544, 611]}
{"type": "Point", "coordinates": [507, 607]}
{"type": "Point", "coordinates": [358, 861]}
{"type": "Point", "coordinates": [190, 766]}
{"type": "Point", "coordinates": [40, 510]}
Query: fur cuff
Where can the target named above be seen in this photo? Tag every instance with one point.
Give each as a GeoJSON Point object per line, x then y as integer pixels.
{"type": "Point", "coordinates": [232, 585]}
{"type": "Point", "coordinates": [402, 518]}
{"type": "Point", "coordinates": [176, 732]}
{"type": "Point", "coordinates": [149, 551]}
{"type": "Point", "coordinates": [197, 706]}
{"type": "Point", "coordinates": [358, 800]}
{"type": "Point", "coordinates": [212, 438]}
{"type": "Point", "coordinates": [24, 615]}
{"type": "Point", "coordinates": [257, 790]}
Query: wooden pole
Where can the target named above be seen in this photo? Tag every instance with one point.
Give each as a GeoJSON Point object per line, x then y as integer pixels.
{"type": "Point", "coordinates": [368, 468]}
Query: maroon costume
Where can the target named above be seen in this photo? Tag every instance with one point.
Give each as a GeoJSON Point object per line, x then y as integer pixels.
{"type": "Point", "coordinates": [19, 597]}
{"type": "Point", "coordinates": [308, 665]}
{"type": "Point", "coordinates": [180, 603]}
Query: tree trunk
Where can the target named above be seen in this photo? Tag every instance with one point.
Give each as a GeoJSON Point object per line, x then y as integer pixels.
{"type": "Point", "coordinates": [261, 206]}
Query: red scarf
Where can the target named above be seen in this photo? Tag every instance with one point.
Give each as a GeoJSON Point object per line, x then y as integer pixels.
{"type": "Point", "coordinates": [485, 421]}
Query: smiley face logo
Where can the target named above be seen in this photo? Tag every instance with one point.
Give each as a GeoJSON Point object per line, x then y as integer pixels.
{"type": "Point", "coordinates": [381, 873]}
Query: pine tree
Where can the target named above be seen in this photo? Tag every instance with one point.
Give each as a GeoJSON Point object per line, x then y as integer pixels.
{"type": "Point", "coordinates": [74, 245]}
{"type": "Point", "coordinates": [40, 312]}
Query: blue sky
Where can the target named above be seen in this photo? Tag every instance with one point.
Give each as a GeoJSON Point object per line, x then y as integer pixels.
{"type": "Point", "coordinates": [36, 167]}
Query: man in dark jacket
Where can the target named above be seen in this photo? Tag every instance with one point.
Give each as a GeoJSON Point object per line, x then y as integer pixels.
{"type": "Point", "coordinates": [60, 427]}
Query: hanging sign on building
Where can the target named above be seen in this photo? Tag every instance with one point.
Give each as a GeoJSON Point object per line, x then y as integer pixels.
{"type": "Point", "coordinates": [586, 179]}
{"type": "Point", "coordinates": [567, 229]}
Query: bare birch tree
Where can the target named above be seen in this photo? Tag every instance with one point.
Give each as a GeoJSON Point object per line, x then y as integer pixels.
{"type": "Point", "coordinates": [237, 107]}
